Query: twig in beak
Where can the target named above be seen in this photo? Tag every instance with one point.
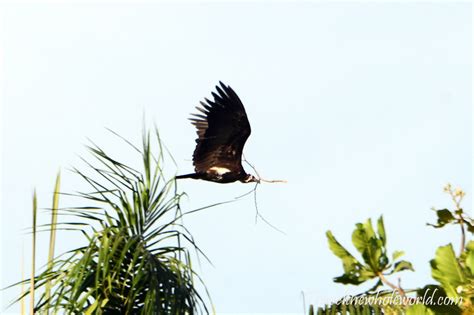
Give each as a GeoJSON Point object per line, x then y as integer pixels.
{"type": "Point", "coordinates": [272, 180]}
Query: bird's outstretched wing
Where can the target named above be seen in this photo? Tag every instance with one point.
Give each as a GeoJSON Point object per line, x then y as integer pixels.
{"type": "Point", "coordinates": [222, 128]}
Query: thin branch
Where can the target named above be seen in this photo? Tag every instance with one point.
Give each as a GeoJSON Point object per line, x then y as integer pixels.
{"type": "Point", "coordinates": [393, 286]}
{"type": "Point", "coordinates": [259, 178]}
{"type": "Point", "coordinates": [457, 195]}
{"type": "Point", "coordinates": [254, 190]}
{"type": "Point", "coordinates": [463, 234]}
{"type": "Point", "coordinates": [272, 180]}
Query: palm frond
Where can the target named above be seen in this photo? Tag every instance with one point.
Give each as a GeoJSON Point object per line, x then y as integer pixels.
{"type": "Point", "coordinates": [136, 258]}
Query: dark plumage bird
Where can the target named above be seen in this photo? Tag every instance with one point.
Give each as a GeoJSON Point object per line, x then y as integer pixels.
{"type": "Point", "coordinates": [222, 129]}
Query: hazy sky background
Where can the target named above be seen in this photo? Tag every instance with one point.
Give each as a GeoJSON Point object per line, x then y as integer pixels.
{"type": "Point", "coordinates": [364, 108]}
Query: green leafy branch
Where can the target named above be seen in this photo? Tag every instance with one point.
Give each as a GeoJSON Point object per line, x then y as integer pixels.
{"type": "Point", "coordinates": [456, 216]}
{"type": "Point", "coordinates": [375, 263]}
{"type": "Point", "coordinates": [455, 274]}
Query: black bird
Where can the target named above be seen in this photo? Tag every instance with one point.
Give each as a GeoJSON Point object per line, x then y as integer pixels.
{"type": "Point", "coordinates": [222, 129]}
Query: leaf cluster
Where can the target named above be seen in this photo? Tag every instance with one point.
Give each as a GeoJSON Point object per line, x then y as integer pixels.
{"type": "Point", "coordinates": [454, 217]}
{"type": "Point", "coordinates": [375, 262]}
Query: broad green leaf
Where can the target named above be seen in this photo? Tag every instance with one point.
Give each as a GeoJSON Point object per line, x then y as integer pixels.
{"type": "Point", "coordinates": [369, 230]}
{"type": "Point", "coordinates": [356, 274]}
{"type": "Point", "coordinates": [397, 254]}
{"type": "Point", "coordinates": [431, 294]}
{"type": "Point", "coordinates": [470, 245]}
{"type": "Point", "coordinates": [470, 257]}
{"type": "Point", "coordinates": [446, 270]}
{"type": "Point", "coordinates": [360, 238]}
{"type": "Point", "coordinates": [376, 254]}
{"type": "Point", "coordinates": [348, 279]}
{"type": "Point", "coordinates": [444, 217]}
{"type": "Point", "coordinates": [350, 265]}
{"type": "Point", "coordinates": [419, 309]}
{"type": "Point", "coordinates": [337, 248]}
{"type": "Point", "coordinates": [470, 226]}
{"type": "Point", "coordinates": [354, 271]}
{"type": "Point", "coordinates": [402, 265]}
{"type": "Point", "coordinates": [370, 247]}
{"type": "Point", "coordinates": [381, 230]}
{"type": "Point", "coordinates": [366, 274]}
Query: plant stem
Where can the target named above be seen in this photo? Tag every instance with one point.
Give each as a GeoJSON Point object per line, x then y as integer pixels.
{"type": "Point", "coordinates": [391, 285]}
{"type": "Point", "coordinates": [52, 239]}
{"type": "Point", "coordinates": [463, 234]}
{"type": "Point", "coordinates": [33, 258]}
{"type": "Point", "coordinates": [457, 198]}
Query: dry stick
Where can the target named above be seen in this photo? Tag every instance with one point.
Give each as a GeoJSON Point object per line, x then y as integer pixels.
{"type": "Point", "coordinates": [260, 179]}
{"type": "Point", "coordinates": [247, 193]}
{"type": "Point", "coordinates": [271, 180]}
{"type": "Point", "coordinates": [257, 213]}
{"type": "Point", "coordinates": [254, 190]}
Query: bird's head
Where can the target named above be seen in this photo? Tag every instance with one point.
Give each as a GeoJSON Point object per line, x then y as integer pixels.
{"type": "Point", "coordinates": [250, 179]}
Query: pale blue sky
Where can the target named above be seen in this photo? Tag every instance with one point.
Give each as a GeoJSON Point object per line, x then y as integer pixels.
{"type": "Point", "coordinates": [364, 108]}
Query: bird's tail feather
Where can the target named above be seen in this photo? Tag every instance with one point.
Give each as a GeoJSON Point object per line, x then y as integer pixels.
{"type": "Point", "coordinates": [192, 175]}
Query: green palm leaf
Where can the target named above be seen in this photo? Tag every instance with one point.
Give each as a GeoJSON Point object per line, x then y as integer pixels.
{"type": "Point", "coordinates": [135, 259]}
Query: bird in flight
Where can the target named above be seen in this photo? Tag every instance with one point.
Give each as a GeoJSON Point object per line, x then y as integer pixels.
{"type": "Point", "coordinates": [222, 129]}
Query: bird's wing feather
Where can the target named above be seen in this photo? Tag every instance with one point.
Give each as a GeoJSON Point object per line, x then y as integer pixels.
{"type": "Point", "coordinates": [222, 129]}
